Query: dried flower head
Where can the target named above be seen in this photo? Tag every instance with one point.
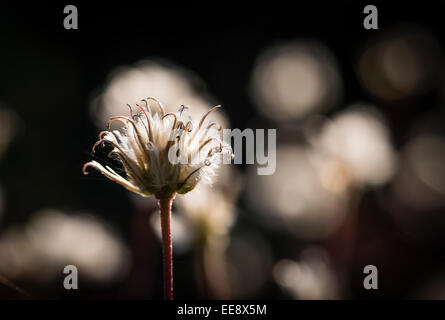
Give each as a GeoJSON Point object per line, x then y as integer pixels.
{"type": "Point", "coordinates": [162, 153]}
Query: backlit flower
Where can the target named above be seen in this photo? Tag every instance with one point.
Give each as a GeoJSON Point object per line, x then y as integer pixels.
{"type": "Point", "coordinates": [162, 153]}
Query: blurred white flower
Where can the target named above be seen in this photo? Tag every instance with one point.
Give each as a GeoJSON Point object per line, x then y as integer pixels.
{"type": "Point", "coordinates": [291, 80]}
{"type": "Point", "coordinates": [301, 196]}
{"type": "Point", "coordinates": [210, 213]}
{"type": "Point", "coordinates": [400, 63]}
{"type": "Point", "coordinates": [53, 240]}
{"type": "Point", "coordinates": [359, 138]}
{"type": "Point", "coordinates": [211, 208]}
{"type": "Point", "coordinates": [312, 278]}
{"type": "Point", "coordinates": [169, 83]}
{"type": "Point", "coordinates": [208, 208]}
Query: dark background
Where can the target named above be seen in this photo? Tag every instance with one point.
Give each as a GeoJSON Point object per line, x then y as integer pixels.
{"type": "Point", "coordinates": [48, 75]}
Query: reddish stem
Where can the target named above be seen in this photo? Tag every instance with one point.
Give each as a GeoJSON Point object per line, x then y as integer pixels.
{"type": "Point", "coordinates": [165, 204]}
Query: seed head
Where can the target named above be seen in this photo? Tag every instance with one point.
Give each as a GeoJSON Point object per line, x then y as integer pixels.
{"type": "Point", "coordinates": [162, 153]}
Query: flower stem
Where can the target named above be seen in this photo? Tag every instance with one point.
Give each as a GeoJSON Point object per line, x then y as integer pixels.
{"type": "Point", "coordinates": [165, 204]}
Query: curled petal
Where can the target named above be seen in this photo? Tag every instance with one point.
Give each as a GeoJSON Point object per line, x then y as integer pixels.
{"type": "Point", "coordinates": [172, 115]}
{"type": "Point", "coordinates": [207, 114]}
{"type": "Point", "coordinates": [96, 144]}
{"type": "Point", "coordinates": [110, 174]}
{"type": "Point", "coordinates": [201, 122]}
{"type": "Point", "coordinates": [137, 138]}
{"type": "Point", "coordinates": [189, 126]}
{"type": "Point", "coordinates": [206, 131]}
{"type": "Point", "coordinates": [146, 105]}
{"type": "Point", "coordinates": [161, 107]}
{"type": "Point", "coordinates": [149, 130]}
{"type": "Point", "coordinates": [131, 110]}
{"type": "Point", "coordinates": [103, 138]}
